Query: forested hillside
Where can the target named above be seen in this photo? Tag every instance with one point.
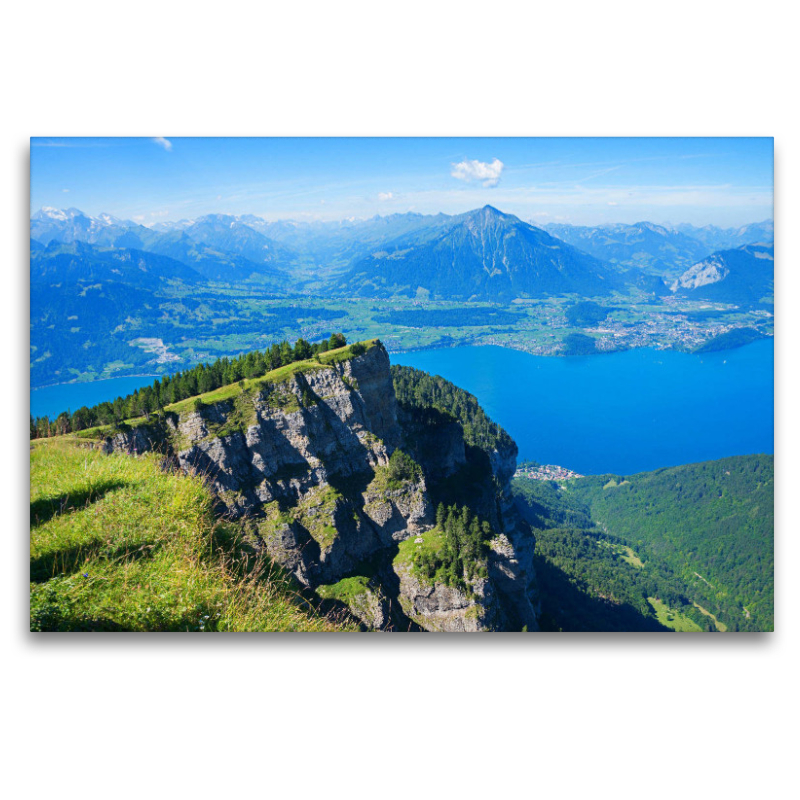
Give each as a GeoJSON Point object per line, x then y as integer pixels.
{"type": "Point", "coordinates": [418, 389]}
{"type": "Point", "coordinates": [689, 546]}
{"type": "Point", "coordinates": [709, 524]}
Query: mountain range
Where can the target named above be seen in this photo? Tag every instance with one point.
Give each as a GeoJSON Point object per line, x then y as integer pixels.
{"type": "Point", "coordinates": [79, 262]}
{"type": "Point", "coordinates": [653, 248]}
{"type": "Point", "coordinates": [482, 254]}
{"type": "Point", "coordinates": [726, 238]}
{"type": "Point", "coordinates": [216, 246]}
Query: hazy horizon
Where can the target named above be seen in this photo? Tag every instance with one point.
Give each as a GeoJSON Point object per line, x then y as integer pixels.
{"type": "Point", "coordinates": [353, 218]}
{"type": "Point", "coordinates": [726, 182]}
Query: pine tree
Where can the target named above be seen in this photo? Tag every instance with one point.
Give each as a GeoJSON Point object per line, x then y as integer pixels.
{"type": "Point", "coordinates": [302, 350]}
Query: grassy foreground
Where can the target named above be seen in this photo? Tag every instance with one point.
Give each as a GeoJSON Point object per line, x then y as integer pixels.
{"type": "Point", "coordinates": [119, 544]}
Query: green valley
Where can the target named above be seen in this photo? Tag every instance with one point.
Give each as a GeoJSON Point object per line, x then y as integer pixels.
{"type": "Point", "coordinates": [690, 547]}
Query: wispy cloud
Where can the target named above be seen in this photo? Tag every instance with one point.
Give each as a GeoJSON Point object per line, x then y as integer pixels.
{"type": "Point", "coordinates": [384, 196]}
{"type": "Point", "coordinates": [474, 170]}
{"type": "Point", "coordinates": [165, 143]}
{"type": "Point", "coordinates": [69, 143]}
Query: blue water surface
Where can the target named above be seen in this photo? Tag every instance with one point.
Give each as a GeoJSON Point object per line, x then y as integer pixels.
{"type": "Point", "coordinates": [50, 401]}
{"type": "Point", "coordinates": [620, 412]}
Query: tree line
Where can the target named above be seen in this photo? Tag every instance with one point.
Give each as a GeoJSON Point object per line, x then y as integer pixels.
{"type": "Point", "coordinates": [181, 385]}
{"type": "Point", "coordinates": [418, 390]}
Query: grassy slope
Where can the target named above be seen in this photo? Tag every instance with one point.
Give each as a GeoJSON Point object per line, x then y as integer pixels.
{"type": "Point", "coordinates": [119, 544]}
{"type": "Point", "coordinates": [671, 618]}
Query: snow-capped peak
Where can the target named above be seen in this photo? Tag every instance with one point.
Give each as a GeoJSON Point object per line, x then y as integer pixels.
{"type": "Point", "coordinates": [107, 219]}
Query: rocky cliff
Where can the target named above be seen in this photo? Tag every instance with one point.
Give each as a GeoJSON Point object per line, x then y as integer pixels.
{"type": "Point", "coordinates": [311, 460]}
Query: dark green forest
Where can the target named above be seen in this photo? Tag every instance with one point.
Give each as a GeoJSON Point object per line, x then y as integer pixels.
{"type": "Point", "coordinates": [467, 499]}
{"type": "Point", "coordinates": [738, 337]}
{"type": "Point", "coordinates": [586, 312]}
{"type": "Point", "coordinates": [420, 390]}
{"type": "Point", "coordinates": [579, 344]}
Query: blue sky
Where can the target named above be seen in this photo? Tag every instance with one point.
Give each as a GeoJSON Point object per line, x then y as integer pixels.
{"type": "Point", "coordinates": [726, 181]}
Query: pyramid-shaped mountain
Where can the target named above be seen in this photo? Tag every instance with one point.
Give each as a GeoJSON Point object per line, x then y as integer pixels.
{"type": "Point", "coordinates": [483, 254]}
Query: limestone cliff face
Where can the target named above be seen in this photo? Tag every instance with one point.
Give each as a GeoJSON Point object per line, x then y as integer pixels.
{"type": "Point", "coordinates": [305, 464]}
{"type": "Point", "coordinates": [438, 607]}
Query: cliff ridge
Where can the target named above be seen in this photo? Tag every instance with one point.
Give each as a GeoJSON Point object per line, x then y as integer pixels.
{"type": "Point", "coordinates": [342, 487]}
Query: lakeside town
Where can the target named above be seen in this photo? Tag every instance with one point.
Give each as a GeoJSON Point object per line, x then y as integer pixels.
{"type": "Point", "coordinates": [674, 324]}
{"type": "Point", "coordinates": [545, 472]}
{"type": "Point", "coordinates": [541, 325]}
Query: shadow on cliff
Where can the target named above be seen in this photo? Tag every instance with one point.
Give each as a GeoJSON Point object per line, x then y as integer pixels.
{"type": "Point", "coordinates": [566, 608]}
{"type": "Point", "coordinates": [472, 486]}
{"type": "Point", "coordinates": [46, 508]}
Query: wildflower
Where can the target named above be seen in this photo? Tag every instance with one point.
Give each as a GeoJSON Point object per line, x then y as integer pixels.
{"type": "Point", "coordinates": [85, 574]}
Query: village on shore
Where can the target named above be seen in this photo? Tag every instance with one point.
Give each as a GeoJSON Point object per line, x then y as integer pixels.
{"type": "Point", "coordinates": [545, 472]}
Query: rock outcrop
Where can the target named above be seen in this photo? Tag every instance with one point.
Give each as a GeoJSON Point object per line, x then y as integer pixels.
{"type": "Point", "coordinates": [305, 462]}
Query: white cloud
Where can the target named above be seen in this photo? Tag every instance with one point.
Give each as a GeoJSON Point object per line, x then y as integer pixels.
{"type": "Point", "coordinates": [382, 196]}
{"type": "Point", "coordinates": [165, 143]}
{"type": "Point", "coordinates": [139, 218]}
{"type": "Point", "coordinates": [474, 170]}
{"type": "Point", "coordinates": [65, 190]}
{"type": "Point", "coordinates": [612, 203]}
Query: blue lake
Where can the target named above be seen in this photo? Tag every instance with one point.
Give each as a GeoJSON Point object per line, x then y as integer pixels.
{"type": "Point", "coordinates": [52, 400]}
{"type": "Point", "coordinates": [621, 412]}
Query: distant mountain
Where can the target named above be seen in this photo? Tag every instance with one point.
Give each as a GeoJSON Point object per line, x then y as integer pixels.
{"type": "Point", "coordinates": [213, 264]}
{"type": "Point", "coordinates": [215, 251]}
{"type": "Point", "coordinates": [744, 276]}
{"type": "Point", "coordinates": [654, 249]}
{"type": "Point", "coordinates": [165, 227]}
{"type": "Point", "coordinates": [726, 238]}
{"type": "Point", "coordinates": [72, 225]}
{"type": "Point", "coordinates": [229, 235]}
{"type": "Point", "coordinates": [483, 254]}
{"type": "Point", "coordinates": [342, 242]}
{"type": "Point", "coordinates": [79, 262]}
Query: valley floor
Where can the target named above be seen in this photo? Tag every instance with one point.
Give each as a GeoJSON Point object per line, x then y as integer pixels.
{"type": "Point", "coordinates": [230, 319]}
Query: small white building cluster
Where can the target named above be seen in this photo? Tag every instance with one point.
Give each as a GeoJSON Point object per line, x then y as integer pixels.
{"type": "Point", "coordinates": [547, 472]}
